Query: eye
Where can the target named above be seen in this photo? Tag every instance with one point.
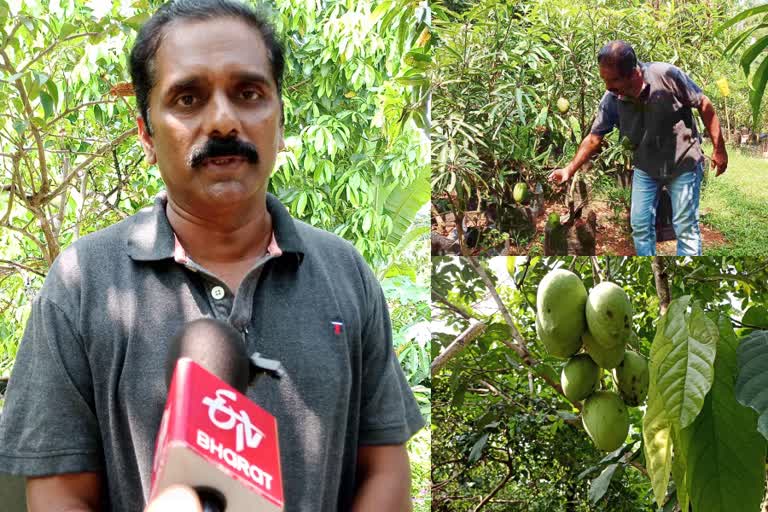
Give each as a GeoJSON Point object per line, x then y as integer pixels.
{"type": "Point", "coordinates": [186, 100]}
{"type": "Point", "coordinates": [250, 94]}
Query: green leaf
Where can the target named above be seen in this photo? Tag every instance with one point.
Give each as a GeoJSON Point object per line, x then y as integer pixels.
{"type": "Point", "coordinates": [751, 53]}
{"type": "Point", "coordinates": [756, 316]}
{"type": "Point", "coordinates": [66, 30]}
{"type": "Point", "coordinates": [53, 91]}
{"type": "Point", "coordinates": [403, 202]}
{"type": "Point", "coordinates": [657, 443]}
{"type": "Point", "coordinates": [599, 485]}
{"type": "Point", "coordinates": [752, 382]}
{"type": "Point", "coordinates": [367, 221]}
{"type": "Point", "coordinates": [47, 102]}
{"type": "Point", "coordinates": [477, 449]}
{"type": "Point", "coordinates": [758, 85]}
{"type": "Point", "coordinates": [135, 22]}
{"type": "Point", "coordinates": [679, 476]}
{"type": "Point", "coordinates": [682, 358]}
{"type": "Point", "coordinates": [726, 454]}
{"type": "Point", "coordinates": [519, 104]}
{"type": "Point", "coordinates": [742, 16]}
{"type": "Point", "coordinates": [20, 126]}
{"type": "Point", "coordinates": [301, 204]}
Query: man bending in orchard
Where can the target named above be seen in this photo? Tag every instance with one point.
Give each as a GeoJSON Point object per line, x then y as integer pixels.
{"type": "Point", "coordinates": [651, 104]}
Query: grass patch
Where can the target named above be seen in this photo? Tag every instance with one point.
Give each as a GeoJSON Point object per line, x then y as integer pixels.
{"type": "Point", "coordinates": [737, 205]}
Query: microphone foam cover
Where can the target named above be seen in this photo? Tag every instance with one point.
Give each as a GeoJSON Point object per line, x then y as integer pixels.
{"type": "Point", "coordinates": [216, 346]}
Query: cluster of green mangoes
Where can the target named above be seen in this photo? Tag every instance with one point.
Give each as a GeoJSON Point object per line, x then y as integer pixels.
{"type": "Point", "coordinates": [569, 320]}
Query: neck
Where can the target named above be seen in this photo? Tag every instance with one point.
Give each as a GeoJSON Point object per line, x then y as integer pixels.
{"type": "Point", "coordinates": [222, 236]}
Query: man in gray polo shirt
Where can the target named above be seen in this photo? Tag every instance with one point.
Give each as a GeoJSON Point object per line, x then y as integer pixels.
{"type": "Point", "coordinates": [651, 104]}
{"type": "Point", "coordinates": [88, 387]}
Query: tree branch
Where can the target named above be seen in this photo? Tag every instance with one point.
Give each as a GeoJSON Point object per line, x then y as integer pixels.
{"type": "Point", "coordinates": [30, 114]}
{"type": "Point", "coordinates": [495, 490]}
{"type": "Point", "coordinates": [520, 347]}
{"type": "Point", "coordinates": [457, 345]}
{"type": "Point", "coordinates": [87, 162]}
{"type": "Point", "coordinates": [75, 109]}
{"type": "Point", "coordinates": [597, 273]}
{"type": "Point", "coordinates": [662, 283]}
{"type": "Point", "coordinates": [437, 297]}
{"type": "Point", "coordinates": [54, 45]}
{"type": "Point", "coordinates": [502, 308]}
{"type": "Point", "coordinates": [22, 267]}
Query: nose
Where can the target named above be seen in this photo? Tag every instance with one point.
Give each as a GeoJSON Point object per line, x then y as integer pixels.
{"type": "Point", "coordinates": [221, 118]}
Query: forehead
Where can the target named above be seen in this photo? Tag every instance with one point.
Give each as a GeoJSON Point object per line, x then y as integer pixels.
{"type": "Point", "coordinates": [212, 49]}
{"type": "Point", "coordinates": [609, 72]}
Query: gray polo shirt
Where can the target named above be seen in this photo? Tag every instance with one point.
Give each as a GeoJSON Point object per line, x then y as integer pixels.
{"type": "Point", "coordinates": [659, 123]}
{"type": "Point", "coordinates": [88, 387]}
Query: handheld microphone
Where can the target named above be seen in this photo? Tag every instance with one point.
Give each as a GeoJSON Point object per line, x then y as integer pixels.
{"type": "Point", "coordinates": [211, 437]}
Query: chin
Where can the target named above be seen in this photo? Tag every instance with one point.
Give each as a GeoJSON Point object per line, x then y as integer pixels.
{"type": "Point", "coordinates": [227, 193]}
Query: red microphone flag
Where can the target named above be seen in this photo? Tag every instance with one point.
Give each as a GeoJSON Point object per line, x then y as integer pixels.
{"type": "Point", "coordinates": [213, 436]}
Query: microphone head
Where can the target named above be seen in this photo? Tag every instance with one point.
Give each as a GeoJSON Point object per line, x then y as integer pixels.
{"type": "Point", "coordinates": [216, 346]}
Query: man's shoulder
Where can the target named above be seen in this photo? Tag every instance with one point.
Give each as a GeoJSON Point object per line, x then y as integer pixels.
{"type": "Point", "coordinates": [92, 255]}
{"type": "Point", "coordinates": [335, 256]}
{"type": "Point", "coordinates": [105, 242]}
{"type": "Point", "coordinates": [661, 69]}
{"type": "Point", "coordinates": [324, 243]}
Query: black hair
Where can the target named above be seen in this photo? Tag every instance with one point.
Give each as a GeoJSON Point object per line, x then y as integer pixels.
{"type": "Point", "coordinates": [141, 62]}
{"type": "Point", "coordinates": [618, 54]}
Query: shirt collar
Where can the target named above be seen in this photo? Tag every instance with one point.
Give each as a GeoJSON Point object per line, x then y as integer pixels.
{"type": "Point", "coordinates": [151, 238]}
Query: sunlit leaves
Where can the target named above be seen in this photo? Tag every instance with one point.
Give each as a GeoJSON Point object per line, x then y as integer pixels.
{"type": "Point", "coordinates": [657, 437]}
{"type": "Point", "coordinates": [682, 358]}
{"type": "Point", "coordinates": [725, 453]}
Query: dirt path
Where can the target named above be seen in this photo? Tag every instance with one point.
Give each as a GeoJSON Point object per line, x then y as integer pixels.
{"type": "Point", "coordinates": [612, 238]}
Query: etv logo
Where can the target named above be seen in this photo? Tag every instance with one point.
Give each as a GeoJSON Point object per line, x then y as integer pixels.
{"type": "Point", "coordinates": [247, 433]}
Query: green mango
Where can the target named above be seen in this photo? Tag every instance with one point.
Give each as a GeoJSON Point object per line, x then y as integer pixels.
{"type": "Point", "coordinates": [632, 378]}
{"type": "Point", "coordinates": [606, 420]}
{"type": "Point", "coordinates": [604, 357]}
{"type": "Point", "coordinates": [520, 193]}
{"type": "Point", "coordinates": [609, 314]}
{"type": "Point", "coordinates": [580, 377]}
{"type": "Point", "coordinates": [560, 321]}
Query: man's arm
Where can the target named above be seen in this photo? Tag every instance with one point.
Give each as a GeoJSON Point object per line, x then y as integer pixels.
{"type": "Point", "coordinates": [588, 147]}
{"type": "Point", "coordinates": [712, 124]}
{"type": "Point", "coordinates": [72, 492]}
{"type": "Point", "coordinates": [384, 474]}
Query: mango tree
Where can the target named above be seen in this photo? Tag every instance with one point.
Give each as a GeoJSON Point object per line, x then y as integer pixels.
{"type": "Point", "coordinates": [507, 431]}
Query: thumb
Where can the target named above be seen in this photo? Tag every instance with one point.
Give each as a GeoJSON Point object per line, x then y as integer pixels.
{"type": "Point", "coordinates": [177, 498]}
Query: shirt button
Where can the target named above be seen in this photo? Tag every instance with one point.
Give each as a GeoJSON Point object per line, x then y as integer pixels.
{"type": "Point", "coordinates": [218, 292]}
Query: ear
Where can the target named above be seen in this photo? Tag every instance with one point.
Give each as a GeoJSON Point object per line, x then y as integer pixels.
{"type": "Point", "coordinates": [146, 141]}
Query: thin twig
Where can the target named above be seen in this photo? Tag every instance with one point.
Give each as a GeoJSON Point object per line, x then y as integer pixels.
{"type": "Point", "coordinates": [437, 297]}
{"type": "Point", "coordinates": [661, 277]}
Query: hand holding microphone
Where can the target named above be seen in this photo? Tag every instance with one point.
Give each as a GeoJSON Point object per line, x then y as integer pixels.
{"type": "Point", "coordinates": [177, 498]}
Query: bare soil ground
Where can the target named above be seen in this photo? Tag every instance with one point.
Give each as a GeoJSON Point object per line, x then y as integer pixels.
{"type": "Point", "coordinates": [613, 238]}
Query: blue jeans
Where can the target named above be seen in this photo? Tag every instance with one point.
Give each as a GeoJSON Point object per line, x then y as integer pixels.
{"type": "Point", "coordinates": [684, 192]}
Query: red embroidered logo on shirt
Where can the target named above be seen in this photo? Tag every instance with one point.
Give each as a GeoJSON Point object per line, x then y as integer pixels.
{"type": "Point", "coordinates": [337, 326]}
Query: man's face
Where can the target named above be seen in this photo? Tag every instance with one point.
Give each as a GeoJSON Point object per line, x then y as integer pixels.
{"type": "Point", "coordinates": [213, 83]}
{"type": "Point", "coordinates": [617, 84]}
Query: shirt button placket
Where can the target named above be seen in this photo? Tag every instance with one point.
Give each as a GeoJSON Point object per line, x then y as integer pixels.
{"type": "Point", "coordinates": [218, 293]}
{"type": "Point", "coordinates": [221, 305]}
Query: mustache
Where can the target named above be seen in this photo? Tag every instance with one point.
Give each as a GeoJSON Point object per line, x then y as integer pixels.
{"type": "Point", "coordinates": [216, 148]}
